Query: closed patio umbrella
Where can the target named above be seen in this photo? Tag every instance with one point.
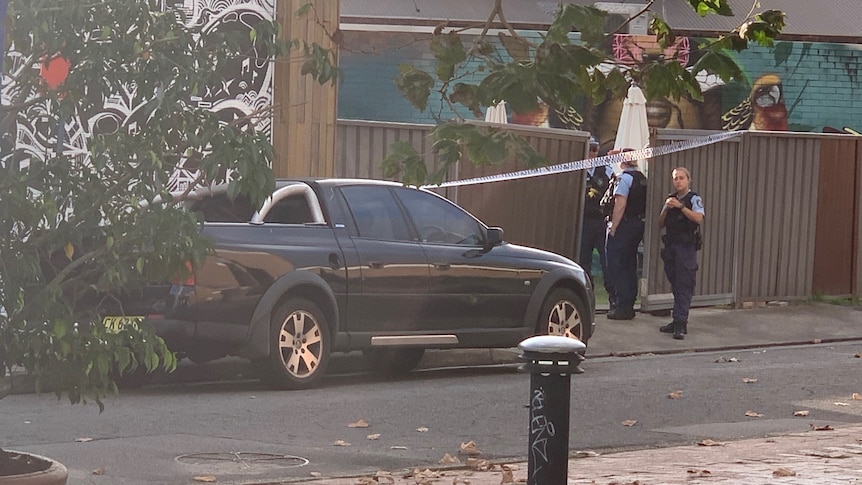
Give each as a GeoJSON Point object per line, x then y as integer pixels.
{"type": "Point", "coordinates": [633, 130]}
{"type": "Point", "coordinates": [497, 114]}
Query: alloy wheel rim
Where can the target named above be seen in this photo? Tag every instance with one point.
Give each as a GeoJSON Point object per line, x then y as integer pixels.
{"type": "Point", "coordinates": [300, 344]}
{"type": "Point", "coordinates": [565, 320]}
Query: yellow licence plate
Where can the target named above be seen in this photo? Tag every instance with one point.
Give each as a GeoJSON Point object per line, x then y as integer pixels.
{"type": "Point", "coordinates": [115, 324]}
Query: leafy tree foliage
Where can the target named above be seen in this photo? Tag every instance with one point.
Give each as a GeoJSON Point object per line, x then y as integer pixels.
{"type": "Point", "coordinates": [79, 231]}
{"type": "Point", "coordinates": [555, 71]}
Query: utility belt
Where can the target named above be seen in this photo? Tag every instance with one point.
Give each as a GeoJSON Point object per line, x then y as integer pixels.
{"type": "Point", "coordinates": [670, 239]}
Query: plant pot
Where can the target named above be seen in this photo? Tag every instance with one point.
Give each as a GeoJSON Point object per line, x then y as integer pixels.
{"type": "Point", "coordinates": [54, 474]}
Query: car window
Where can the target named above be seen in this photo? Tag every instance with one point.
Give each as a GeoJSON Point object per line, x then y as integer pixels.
{"type": "Point", "coordinates": [376, 213]}
{"type": "Point", "coordinates": [292, 209]}
{"type": "Point", "coordinates": [439, 221]}
{"type": "Point", "coordinates": [221, 208]}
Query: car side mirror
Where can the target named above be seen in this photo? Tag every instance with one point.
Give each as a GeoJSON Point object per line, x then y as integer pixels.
{"type": "Point", "coordinates": [493, 237]}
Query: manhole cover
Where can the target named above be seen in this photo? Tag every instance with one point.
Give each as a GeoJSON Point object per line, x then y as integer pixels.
{"type": "Point", "coordinates": [243, 458]}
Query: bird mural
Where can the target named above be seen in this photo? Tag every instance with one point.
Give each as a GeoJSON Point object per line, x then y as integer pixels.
{"type": "Point", "coordinates": [763, 110]}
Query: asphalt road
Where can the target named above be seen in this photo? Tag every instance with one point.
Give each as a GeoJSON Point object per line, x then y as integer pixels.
{"type": "Point", "coordinates": [242, 432]}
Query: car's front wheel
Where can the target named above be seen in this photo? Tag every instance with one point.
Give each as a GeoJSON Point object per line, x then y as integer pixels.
{"type": "Point", "coordinates": [299, 344]}
{"type": "Point", "coordinates": [564, 314]}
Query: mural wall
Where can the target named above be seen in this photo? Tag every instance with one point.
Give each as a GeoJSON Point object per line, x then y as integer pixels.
{"type": "Point", "coordinates": [797, 86]}
{"type": "Point", "coordinates": [247, 86]}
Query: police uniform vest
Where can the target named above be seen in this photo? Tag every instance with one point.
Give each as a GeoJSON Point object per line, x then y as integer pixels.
{"type": "Point", "coordinates": [597, 185]}
{"type": "Point", "coordinates": [636, 200]}
{"type": "Point", "coordinates": [679, 229]}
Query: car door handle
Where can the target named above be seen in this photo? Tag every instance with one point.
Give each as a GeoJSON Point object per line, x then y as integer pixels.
{"type": "Point", "coordinates": [334, 262]}
{"type": "Point", "coordinates": [375, 265]}
{"type": "Point", "coordinates": [442, 266]}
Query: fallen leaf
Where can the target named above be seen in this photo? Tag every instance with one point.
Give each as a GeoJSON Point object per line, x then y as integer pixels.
{"type": "Point", "coordinates": [85, 439]}
{"type": "Point", "coordinates": [803, 412]}
{"type": "Point", "coordinates": [817, 341]}
{"type": "Point", "coordinates": [783, 472]}
{"type": "Point", "coordinates": [752, 414]}
{"type": "Point", "coordinates": [459, 480]}
{"type": "Point", "coordinates": [507, 477]}
{"type": "Point", "coordinates": [426, 473]}
{"type": "Point", "coordinates": [449, 460]}
{"type": "Point", "coordinates": [510, 466]}
{"type": "Point", "coordinates": [840, 404]}
{"type": "Point", "coordinates": [858, 356]}
{"type": "Point", "coordinates": [387, 476]}
{"type": "Point", "coordinates": [749, 380]}
{"type": "Point", "coordinates": [205, 478]}
{"type": "Point", "coordinates": [478, 464]}
{"type": "Point", "coordinates": [375, 436]}
{"type": "Point", "coordinates": [359, 424]}
{"type": "Point", "coordinates": [469, 448]}
{"type": "Point", "coordinates": [340, 443]}
{"type": "Point", "coordinates": [629, 422]}
{"type": "Point", "coordinates": [99, 471]}
{"type": "Point", "coordinates": [709, 442]}
{"type": "Point", "coordinates": [397, 447]}
{"type": "Point", "coordinates": [822, 428]}
{"type": "Point", "coordinates": [856, 396]}
{"type": "Point", "coordinates": [675, 395]}
{"type": "Point", "coordinates": [585, 454]}
{"type": "Point", "coordinates": [316, 474]}
{"type": "Point", "coordinates": [423, 429]}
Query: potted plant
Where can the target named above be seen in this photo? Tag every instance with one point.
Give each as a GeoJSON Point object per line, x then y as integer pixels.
{"type": "Point", "coordinates": [87, 218]}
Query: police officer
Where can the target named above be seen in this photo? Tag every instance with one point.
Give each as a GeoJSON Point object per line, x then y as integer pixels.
{"type": "Point", "coordinates": [625, 232]}
{"type": "Point", "coordinates": [594, 229]}
{"type": "Point", "coordinates": [681, 217]}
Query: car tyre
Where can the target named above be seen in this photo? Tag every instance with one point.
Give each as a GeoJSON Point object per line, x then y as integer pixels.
{"type": "Point", "coordinates": [299, 344]}
{"type": "Point", "coordinates": [393, 360]}
{"type": "Point", "coordinates": [564, 313]}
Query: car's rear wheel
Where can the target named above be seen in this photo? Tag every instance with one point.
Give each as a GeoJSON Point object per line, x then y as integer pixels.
{"type": "Point", "coordinates": [299, 344]}
{"type": "Point", "coordinates": [564, 314]}
{"type": "Point", "coordinates": [393, 360]}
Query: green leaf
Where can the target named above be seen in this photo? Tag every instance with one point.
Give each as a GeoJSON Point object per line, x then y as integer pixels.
{"type": "Point", "coordinates": [404, 163]}
{"type": "Point", "coordinates": [467, 95]}
{"type": "Point", "coordinates": [720, 64]}
{"type": "Point", "coordinates": [449, 52]}
{"type": "Point", "coordinates": [516, 47]}
{"type": "Point", "coordinates": [589, 21]}
{"type": "Point", "coordinates": [706, 7]}
{"type": "Point", "coordinates": [664, 34]}
{"type": "Point", "coordinates": [304, 9]}
{"type": "Point", "coordinates": [415, 85]}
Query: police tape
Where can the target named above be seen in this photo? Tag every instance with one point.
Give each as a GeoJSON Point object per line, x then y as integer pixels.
{"type": "Point", "coordinates": [640, 154]}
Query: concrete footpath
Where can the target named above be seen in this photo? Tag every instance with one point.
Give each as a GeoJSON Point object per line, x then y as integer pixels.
{"type": "Point", "coordinates": [824, 456]}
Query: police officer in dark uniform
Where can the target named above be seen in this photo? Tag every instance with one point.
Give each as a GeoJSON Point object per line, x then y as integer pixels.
{"type": "Point", "coordinates": [625, 232]}
{"type": "Point", "coordinates": [594, 229]}
{"type": "Point", "coordinates": [681, 217]}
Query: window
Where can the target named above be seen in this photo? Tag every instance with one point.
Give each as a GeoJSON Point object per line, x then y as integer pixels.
{"type": "Point", "coordinates": [292, 209]}
{"type": "Point", "coordinates": [376, 213]}
{"type": "Point", "coordinates": [440, 221]}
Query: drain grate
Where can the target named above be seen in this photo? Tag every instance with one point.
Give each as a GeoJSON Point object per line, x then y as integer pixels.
{"type": "Point", "coordinates": [244, 459]}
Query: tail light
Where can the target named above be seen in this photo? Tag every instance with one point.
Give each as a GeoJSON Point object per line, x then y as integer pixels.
{"type": "Point", "coordinates": [189, 276]}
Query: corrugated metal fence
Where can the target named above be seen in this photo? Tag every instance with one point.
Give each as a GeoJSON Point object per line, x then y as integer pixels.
{"type": "Point", "coordinates": [783, 209]}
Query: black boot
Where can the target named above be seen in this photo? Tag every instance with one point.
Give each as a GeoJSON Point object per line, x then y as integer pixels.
{"type": "Point", "coordinates": [667, 328]}
{"type": "Point", "coordinates": [679, 330]}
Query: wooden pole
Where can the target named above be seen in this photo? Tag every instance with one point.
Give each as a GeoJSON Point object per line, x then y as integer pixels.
{"type": "Point", "coordinates": [303, 129]}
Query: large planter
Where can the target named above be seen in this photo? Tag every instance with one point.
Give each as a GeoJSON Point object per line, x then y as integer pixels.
{"type": "Point", "coordinates": [54, 474]}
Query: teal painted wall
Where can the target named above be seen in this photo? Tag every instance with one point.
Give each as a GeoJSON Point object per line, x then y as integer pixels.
{"type": "Point", "coordinates": [821, 82]}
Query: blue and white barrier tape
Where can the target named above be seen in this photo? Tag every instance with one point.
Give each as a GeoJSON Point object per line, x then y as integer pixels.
{"type": "Point", "coordinates": [641, 154]}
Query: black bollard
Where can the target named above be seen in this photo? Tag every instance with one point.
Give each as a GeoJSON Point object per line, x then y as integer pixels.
{"type": "Point", "coordinates": [551, 360]}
